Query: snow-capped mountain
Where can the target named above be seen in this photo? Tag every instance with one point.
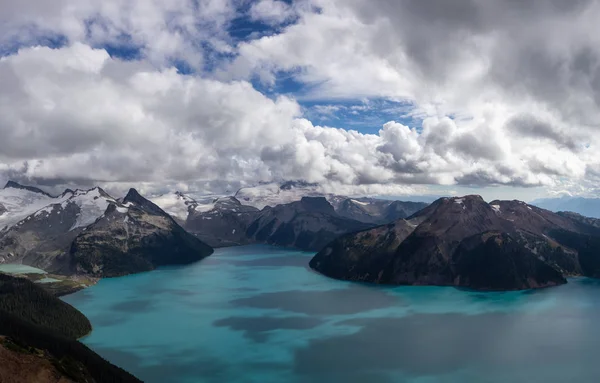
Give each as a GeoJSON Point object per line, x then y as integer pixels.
{"type": "Point", "coordinates": [378, 211]}
{"type": "Point", "coordinates": [273, 194]}
{"type": "Point", "coordinates": [177, 204]}
{"type": "Point", "coordinates": [43, 237]}
{"type": "Point", "coordinates": [88, 231]}
{"type": "Point", "coordinates": [364, 209]}
{"type": "Point", "coordinates": [20, 201]}
{"type": "Point", "coordinates": [218, 221]}
{"type": "Point", "coordinates": [222, 223]}
{"type": "Point", "coordinates": [136, 236]}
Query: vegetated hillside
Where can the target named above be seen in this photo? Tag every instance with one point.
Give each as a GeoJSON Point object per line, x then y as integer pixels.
{"type": "Point", "coordinates": [31, 303]}
{"type": "Point", "coordinates": [41, 330]}
{"type": "Point", "coordinates": [69, 357]}
{"type": "Point", "coordinates": [503, 245]}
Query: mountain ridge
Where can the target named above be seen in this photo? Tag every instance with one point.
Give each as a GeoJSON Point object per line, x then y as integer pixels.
{"type": "Point", "coordinates": [450, 241]}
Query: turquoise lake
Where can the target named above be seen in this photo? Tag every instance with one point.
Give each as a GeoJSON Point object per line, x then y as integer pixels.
{"type": "Point", "coordinates": [259, 314]}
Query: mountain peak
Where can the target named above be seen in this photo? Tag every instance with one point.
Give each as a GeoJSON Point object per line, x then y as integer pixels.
{"type": "Point", "coordinates": [15, 185]}
{"type": "Point", "coordinates": [134, 197]}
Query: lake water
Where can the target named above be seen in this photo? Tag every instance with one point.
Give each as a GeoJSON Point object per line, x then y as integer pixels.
{"type": "Point", "coordinates": [258, 314]}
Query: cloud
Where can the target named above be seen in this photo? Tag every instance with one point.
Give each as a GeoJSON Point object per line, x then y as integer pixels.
{"type": "Point", "coordinates": [163, 31]}
{"type": "Point", "coordinates": [272, 12]}
{"type": "Point", "coordinates": [502, 93]}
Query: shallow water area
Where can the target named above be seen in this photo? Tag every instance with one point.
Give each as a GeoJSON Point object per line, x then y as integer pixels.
{"type": "Point", "coordinates": [259, 314]}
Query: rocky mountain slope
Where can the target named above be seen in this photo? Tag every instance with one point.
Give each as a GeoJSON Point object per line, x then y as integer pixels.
{"type": "Point", "coordinates": [307, 224]}
{"type": "Point", "coordinates": [467, 242]}
{"type": "Point", "coordinates": [377, 211]}
{"type": "Point", "coordinates": [137, 236]}
{"type": "Point", "coordinates": [38, 339]}
{"type": "Point", "coordinates": [589, 207]}
{"type": "Point", "coordinates": [43, 238]}
{"type": "Point", "coordinates": [224, 223]}
{"type": "Point", "coordinates": [89, 232]}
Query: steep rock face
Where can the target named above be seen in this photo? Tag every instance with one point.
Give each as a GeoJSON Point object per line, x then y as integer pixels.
{"type": "Point", "coordinates": [224, 224]}
{"type": "Point", "coordinates": [138, 236]}
{"type": "Point", "coordinates": [308, 224]}
{"type": "Point", "coordinates": [2, 209]}
{"type": "Point", "coordinates": [466, 242]}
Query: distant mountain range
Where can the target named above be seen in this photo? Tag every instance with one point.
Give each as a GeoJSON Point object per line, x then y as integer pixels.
{"type": "Point", "coordinates": [292, 214]}
{"type": "Point", "coordinates": [503, 245]}
{"type": "Point", "coordinates": [589, 207]}
{"type": "Point", "coordinates": [89, 232]}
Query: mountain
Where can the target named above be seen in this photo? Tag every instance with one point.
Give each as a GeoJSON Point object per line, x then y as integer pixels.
{"type": "Point", "coordinates": [137, 236]}
{"type": "Point", "coordinates": [42, 239]}
{"type": "Point", "coordinates": [217, 221]}
{"type": "Point", "coordinates": [307, 224]}
{"type": "Point", "coordinates": [580, 218]}
{"type": "Point", "coordinates": [222, 223]}
{"type": "Point", "coordinates": [15, 185]}
{"type": "Point", "coordinates": [20, 201]}
{"type": "Point", "coordinates": [273, 194]}
{"type": "Point", "coordinates": [377, 211]}
{"type": "Point", "coordinates": [503, 245]}
{"type": "Point", "coordinates": [89, 232]}
{"type": "Point", "coordinates": [232, 221]}
{"type": "Point", "coordinates": [177, 205]}
{"type": "Point", "coordinates": [38, 335]}
{"type": "Point", "coordinates": [589, 207]}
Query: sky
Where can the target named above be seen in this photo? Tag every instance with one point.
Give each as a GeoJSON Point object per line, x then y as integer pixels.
{"type": "Point", "coordinates": [363, 97]}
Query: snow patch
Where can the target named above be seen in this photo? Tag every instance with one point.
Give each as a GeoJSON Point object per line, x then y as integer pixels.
{"type": "Point", "coordinates": [92, 204]}
{"type": "Point", "coordinates": [175, 204]}
{"type": "Point", "coordinates": [496, 208]}
{"type": "Point", "coordinates": [21, 203]}
{"type": "Point", "coordinates": [122, 210]}
{"type": "Point", "coordinates": [359, 202]}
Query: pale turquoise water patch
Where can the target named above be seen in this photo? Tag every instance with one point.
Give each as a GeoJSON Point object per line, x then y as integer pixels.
{"type": "Point", "coordinates": [258, 314]}
{"type": "Point", "coordinates": [48, 280]}
{"type": "Point", "coordinates": [20, 269]}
